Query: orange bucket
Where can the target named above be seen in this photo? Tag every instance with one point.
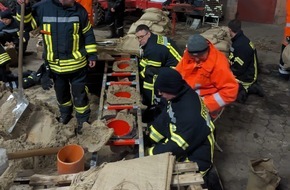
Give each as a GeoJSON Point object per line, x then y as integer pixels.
{"type": "Point", "coordinates": [122, 65]}
{"type": "Point", "coordinates": [70, 159]}
{"type": "Point", "coordinates": [123, 94]}
{"type": "Point", "coordinates": [121, 127]}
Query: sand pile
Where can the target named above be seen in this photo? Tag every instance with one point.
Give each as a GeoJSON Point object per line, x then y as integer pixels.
{"type": "Point", "coordinates": [39, 128]}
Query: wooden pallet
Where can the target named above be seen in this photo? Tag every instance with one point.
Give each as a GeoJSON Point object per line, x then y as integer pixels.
{"type": "Point", "coordinates": [185, 176]}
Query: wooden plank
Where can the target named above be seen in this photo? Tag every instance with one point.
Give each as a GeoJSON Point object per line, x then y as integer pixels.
{"type": "Point", "coordinates": [51, 180]}
{"type": "Point", "coordinates": [189, 178]}
{"type": "Point", "coordinates": [171, 164]}
{"type": "Point", "coordinates": [185, 167]}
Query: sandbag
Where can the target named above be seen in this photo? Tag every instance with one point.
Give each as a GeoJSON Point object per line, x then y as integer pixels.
{"type": "Point", "coordinates": [223, 46]}
{"type": "Point", "coordinates": [129, 44]}
{"type": "Point", "coordinates": [152, 16]}
{"type": "Point", "coordinates": [286, 57]}
{"type": "Point", "coordinates": [263, 175]}
{"type": "Point", "coordinates": [156, 10]}
{"type": "Point", "coordinates": [137, 23]}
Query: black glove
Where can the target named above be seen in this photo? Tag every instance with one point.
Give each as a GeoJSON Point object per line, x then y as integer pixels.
{"type": "Point", "coordinates": [45, 80]}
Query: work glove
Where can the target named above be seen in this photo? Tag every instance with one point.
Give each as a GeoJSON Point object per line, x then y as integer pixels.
{"type": "Point", "coordinates": [45, 80]}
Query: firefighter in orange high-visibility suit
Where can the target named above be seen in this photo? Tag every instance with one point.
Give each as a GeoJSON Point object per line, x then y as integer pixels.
{"type": "Point", "coordinates": [88, 5]}
{"type": "Point", "coordinates": [286, 40]}
{"type": "Point", "coordinates": [207, 71]}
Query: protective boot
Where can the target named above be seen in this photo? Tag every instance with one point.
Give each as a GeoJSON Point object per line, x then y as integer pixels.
{"type": "Point", "coordinates": [113, 31]}
{"type": "Point", "coordinates": [120, 32]}
{"type": "Point", "coordinates": [256, 89]}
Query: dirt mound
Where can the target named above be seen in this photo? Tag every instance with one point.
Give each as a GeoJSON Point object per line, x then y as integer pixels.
{"type": "Point", "coordinates": [39, 128]}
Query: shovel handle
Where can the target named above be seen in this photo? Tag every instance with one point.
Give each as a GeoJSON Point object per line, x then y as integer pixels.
{"type": "Point", "coordinates": [32, 153]}
{"type": "Point", "coordinates": [20, 52]}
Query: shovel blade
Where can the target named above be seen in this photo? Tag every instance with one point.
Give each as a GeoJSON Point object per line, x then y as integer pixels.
{"type": "Point", "coordinates": [21, 105]}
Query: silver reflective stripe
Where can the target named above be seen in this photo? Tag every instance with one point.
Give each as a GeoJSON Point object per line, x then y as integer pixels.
{"type": "Point", "coordinates": [165, 40]}
{"type": "Point", "coordinates": [61, 19]}
{"type": "Point", "coordinates": [288, 24]}
{"type": "Point", "coordinates": [219, 99]}
{"type": "Point", "coordinates": [10, 30]}
{"type": "Point", "coordinates": [196, 88]}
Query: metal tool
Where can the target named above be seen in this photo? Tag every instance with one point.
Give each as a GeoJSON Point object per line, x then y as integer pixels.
{"type": "Point", "coordinates": [106, 43]}
{"type": "Point", "coordinates": [21, 101]}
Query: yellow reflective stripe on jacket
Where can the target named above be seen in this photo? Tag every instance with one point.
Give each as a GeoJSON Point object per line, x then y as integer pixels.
{"type": "Point", "coordinates": [27, 18]}
{"type": "Point", "coordinates": [162, 40]}
{"type": "Point", "coordinates": [76, 40]}
{"type": "Point", "coordinates": [142, 73]}
{"type": "Point", "coordinates": [69, 103]}
{"type": "Point", "coordinates": [148, 86]}
{"type": "Point", "coordinates": [87, 28]}
{"type": "Point", "coordinates": [33, 24]}
{"type": "Point", "coordinates": [239, 60]}
{"type": "Point", "coordinates": [4, 57]}
{"type": "Point", "coordinates": [255, 62]}
{"type": "Point", "coordinates": [150, 151]}
{"type": "Point", "coordinates": [174, 52]}
{"type": "Point", "coordinates": [82, 110]}
{"type": "Point", "coordinates": [143, 62]}
{"type": "Point", "coordinates": [177, 138]}
{"type": "Point", "coordinates": [231, 55]}
{"type": "Point", "coordinates": [155, 135]}
{"type": "Point", "coordinates": [154, 63]}
{"type": "Point", "coordinates": [62, 66]}
{"type": "Point", "coordinates": [146, 62]}
{"type": "Point", "coordinates": [48, 42]}
{"type": "Point", "coordinates": [211, 140]}
{"type": "Point", "coordinates": [92, 48]}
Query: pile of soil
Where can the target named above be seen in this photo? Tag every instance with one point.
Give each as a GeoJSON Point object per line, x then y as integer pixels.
{"type": "Point", "coordinates": [39, 128]}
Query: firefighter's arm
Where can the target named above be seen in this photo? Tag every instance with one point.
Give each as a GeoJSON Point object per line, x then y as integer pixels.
{"type": "Point", "coordinates": [240, 59]}
{"type": "Point", "coordinates": [227, 86]}
{"type": "Point", "coordinates": [175, 53]}
{"type": "Point", "coordinates": [88, 33]}
{"type": "Point", "coordinates": [31, 19]}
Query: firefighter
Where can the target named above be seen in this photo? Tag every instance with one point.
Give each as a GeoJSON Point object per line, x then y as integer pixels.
{"type": "Point", "coordinates": [9, 28]}
{"type": "Point", "coordinates": [4, 60]}
{"type": "Point", "coordinates": [207, 71]}
{"type": "Point", "coordinates": [69, 47]}
{"type": "Point", "coordinates": [184, 126]}
{"type": "Point", "coordinates": [286, 40]}
{"type": "Point", "coordinates": [244, 62]}
{"type": "Point", "coordinates": [115, 17]}
{"type": "Point", "coordinates": [158, 51]}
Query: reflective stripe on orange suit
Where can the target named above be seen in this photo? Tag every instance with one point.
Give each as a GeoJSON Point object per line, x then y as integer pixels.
{"type": "Point", "coordinates": [213, 80]}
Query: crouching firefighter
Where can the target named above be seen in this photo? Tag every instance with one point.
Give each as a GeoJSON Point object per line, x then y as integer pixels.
{"type": "Point", "coordinates": [184, 126]}
{"type": "Point", "coordinates": [69, 48]}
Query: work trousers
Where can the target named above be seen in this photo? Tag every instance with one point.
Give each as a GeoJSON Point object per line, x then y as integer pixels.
{"type": "Point", "coordinates": [115, 19]}
{"type": "Point", "coordinates": [72, 85]}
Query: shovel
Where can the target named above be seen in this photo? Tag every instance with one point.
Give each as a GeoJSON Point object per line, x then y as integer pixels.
{"type": "Point", "coordinates": [21, 101]}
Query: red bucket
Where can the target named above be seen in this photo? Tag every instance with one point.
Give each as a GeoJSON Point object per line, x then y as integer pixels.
{"type": "Point", "coordinates": [123, 94]}
{"type": "Point", "coordinates": [121, 127]}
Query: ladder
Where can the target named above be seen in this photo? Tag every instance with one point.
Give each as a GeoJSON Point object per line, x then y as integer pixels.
{"type": "Point", "coordinates": [108, 110]}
